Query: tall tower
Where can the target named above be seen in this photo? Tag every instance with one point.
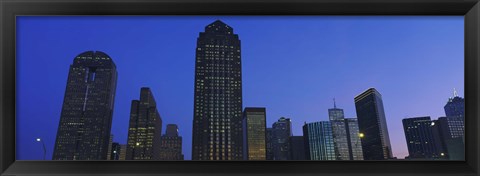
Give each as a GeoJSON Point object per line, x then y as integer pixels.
{"type": "Point", "coordinates": [217, 121]}
{"type": "Point", "coordinates": [171, 144]}
{"type": "Point", "coordinates": [373, 125]}
{"type": "Point", "coordinates": [345, 135]}
{"type": "Point", "coordinates": [281, 133]}
{"type": "Point", "coordinates": [144, 129]}
{"type": "Point", "coordinates": [86, 118]}
{"type": "Point", "coordinates": [254, 125]}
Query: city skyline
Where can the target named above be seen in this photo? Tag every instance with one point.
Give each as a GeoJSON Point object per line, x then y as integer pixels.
{"type": "Point", "coordinates": [274, 111]}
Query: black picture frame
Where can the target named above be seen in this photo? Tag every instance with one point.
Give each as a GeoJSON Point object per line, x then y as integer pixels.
{"type": "Point", "coordinates": [9, 9]}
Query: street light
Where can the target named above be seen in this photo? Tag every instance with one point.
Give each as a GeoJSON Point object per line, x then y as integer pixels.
{"type": "Point", "coordinates": [44, 148]}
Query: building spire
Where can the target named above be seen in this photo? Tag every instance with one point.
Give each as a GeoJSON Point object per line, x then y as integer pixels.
{"type": "Point", "coordinates": [334, 104]}
{"type": "Point", "coordinates": [455, 93]}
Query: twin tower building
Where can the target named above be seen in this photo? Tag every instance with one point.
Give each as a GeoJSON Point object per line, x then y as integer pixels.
{"type": "Point", "coordinates": [222, 129]}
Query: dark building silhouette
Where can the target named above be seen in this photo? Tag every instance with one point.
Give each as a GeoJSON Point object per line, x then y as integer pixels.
{"type": "Point", "coordinates": [217, 125]}
{"type": "Point", "coordinates": [420, 138]}
{"type": "Point", "coordinates": [86, 117]}
{"type": "Point", "coordinates": [254, 126]}
{"type": "Point", "coordinates": [144, 129]}
{"type": "Point", "coordinates": [281, 132]}
{"type": "Point", "coordinates": [297, 148]}
{"type": "Point", "coordinates": [171, 144]}
{"type": "Point", "coordinates": [319, 143]}
{"type": "Point", "coordinates": [449, 131]}
{"type": "Point", "coordinates": [373, 126]}
{"type": "Point", "coordinates": [115, 153]}
{"type": "Point", "coordinates": [269, 143]}
{"type": "Point", "coordinates": [455, 106]}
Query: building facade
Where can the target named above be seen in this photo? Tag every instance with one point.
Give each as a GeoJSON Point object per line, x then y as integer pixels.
{"type": "Point", "coordinates": [319, 143]}
{"type": "Point", "coordinates": [254, 137]}
{"type": "Point", "coordinates": [354, 140]}
{"type": "Point", "coordinates": [339, 131]}
{"type": "Point", "coordinates": [297, 148]}
{"type": "Point", "coordinates": [373, 126]}
{"type": "Point", "coordinates": [420, 138]}
{"type": "Point", "coordinates": [171, 144]}
{"type": "Point", "coordinates": [281, 132]}
{"type": "Point", "coordinates": [455, 106]}
{"type": "Point", "coordinates": [269, 143]}
{"type": "Point", "coordinates": [217, 132]}
{"type": "Point", "coordinates": [86, 117]}
{"type": "Point", "coordinates": [144, 129]}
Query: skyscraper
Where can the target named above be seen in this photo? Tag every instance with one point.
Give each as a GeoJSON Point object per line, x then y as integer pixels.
{"type": "Point", "coordinates": [355, 143]}
{"type": "Point", "coordinates": [217, 125]}
{"type": "Point", "coordinates": [345, 135]}
{"type": "Point", "coordinates": [254, 125]}
{"type": "Point", "coordinates": [455, 106]}
{"type": "Point", "coordinates": [420, 139]}
{"type": "Point", "coordinates": [339, 131]}
{"type": "Point", "coordinates": [171, 144]}
{"type": "Point", "coordinates": [372, 124]}
{"type": "Point", "coordinates": [281, 132]}
{"type": "Point", "coordinates": [144, 129]}
{"type": "Point", "coordinates": [319, 141]}
{"type": "Point", "coordinates": [86, 118]}
{"type": "Point", "coordinates": [297, 148]}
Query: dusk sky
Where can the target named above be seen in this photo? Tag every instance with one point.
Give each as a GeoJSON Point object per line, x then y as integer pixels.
{"type": "Point", "coordinates": [292, 65]}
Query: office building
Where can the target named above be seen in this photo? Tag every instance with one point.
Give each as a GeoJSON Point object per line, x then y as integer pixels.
{"type": "Point", "coordinates": [144, 129]}
{"type": "Point", "coordinates": [319, 141]}
{"type": "Point", "coordinates": [455, 106]}
{"type": "Point", "coordinates": [86, 116]}
{"type": "Point", "coordinates": [420, 138]}
{"type": "Point", "coordinates": [281, 132]}
{"type": "Point", "coordinates": [171, 144]}
{"type": "Point", "coordinates": [217, 122]}
{"type": "Point", "coordinates": [297, 148]}
{"type": "Point", "coordinates": [254, 137]}
{"type": "Point", "coordinates": [354, 139]}
{"type": "Point", "coordinates": [373, 126]}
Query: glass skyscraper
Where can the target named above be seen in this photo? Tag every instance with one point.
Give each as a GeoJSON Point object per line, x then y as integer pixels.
{"type": "Point", "coordinates": [420, 138]}
{"type": "Point", "coordinates": [339, 131]}
{"type": "Point", "coordinates": [354, 140]}
{"type": "Point", "coordinates": [373, 126]}
{"type": "Point", "coordinates": [345, 135]}
{"type": "Point", "coordinates": [86, 117]}
{"type": "Point", "coordinates": [171, 144]}
{"type": "Point", "coordinates": [319, 141]}
{"type": "Point", "coordinates": [254, 125]}
{"type": "Point", "coordinates": [217, 125]}
{"type": "Point", "coordinates": [281, 132]}
{"type": "Point", "coordinates": [145, 128]}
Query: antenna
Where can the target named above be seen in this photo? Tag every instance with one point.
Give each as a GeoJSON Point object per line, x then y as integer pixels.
{"type": "Point", "coordinates": [334, 104]}
{"type": "Point", "coordinates": [455, 93]}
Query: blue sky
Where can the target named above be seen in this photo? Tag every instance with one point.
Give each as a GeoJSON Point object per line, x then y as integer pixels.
{"type": "Point", "coordinates": [292, 65]}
